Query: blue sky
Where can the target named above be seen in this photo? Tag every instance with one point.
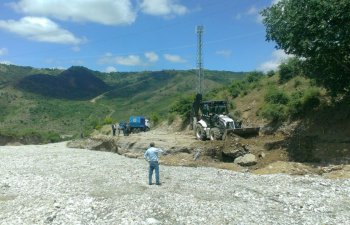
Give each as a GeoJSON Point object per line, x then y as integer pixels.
{"type": "Point", "coordinates": [136, 35]}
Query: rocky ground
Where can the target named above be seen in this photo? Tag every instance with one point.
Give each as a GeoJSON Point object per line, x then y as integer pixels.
{"type": "Point", "coordinates": [53, 184]}
{"type": "Point", "coordinates": [262, 154]}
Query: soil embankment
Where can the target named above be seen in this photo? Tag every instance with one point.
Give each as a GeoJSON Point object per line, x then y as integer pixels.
{"type": "Point", "coordinates": [269, 152]}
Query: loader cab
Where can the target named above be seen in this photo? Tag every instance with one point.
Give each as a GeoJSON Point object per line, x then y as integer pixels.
{"type": "Point", "coordinates": [210, 110]}
{"type": "Point", "coordinates": [213, 107]}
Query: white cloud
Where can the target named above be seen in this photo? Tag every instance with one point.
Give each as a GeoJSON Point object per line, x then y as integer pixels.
{"type": "Point", "coordinates": [130, 60]}
{"type": "Point", "coordinates": [174, 58]}
{"type": "Point", "coordinates": [40, 29]}
{"type": "Point", "coordinates": [108, 12]}
{"type": "Point", "coordinates": [253, 11]}
{"type": "Point", "coordinates": [60, 68]}
{"type": "Point", "coordinates": [151, 57]}
{"type": "Point", "coordinates": [110, 69]}
{"type": "Point", "coordinates": [3, 51]}
{"type": "Point", "coordinates": [275, 1]}
{"type": "Point", "coordinates": [162, 7]}
{"type": "Point", "coordinates": [278, 56]}
{"type": "Point", "coordinates": [225, 53]}
{"type": "Point", "coordinates": [5, 62]}
{"type": "Point", "coordinates": [76, 48]}
{"type": "Point", "coordinates": [108, 54]}
{"type": "Point", "coordinates": [107, 58]}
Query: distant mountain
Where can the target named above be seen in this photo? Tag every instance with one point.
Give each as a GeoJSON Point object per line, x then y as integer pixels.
{"type": "Point", "coordinates": [74, 83]}
{"type": "Point", "coordinates": [76, 100]}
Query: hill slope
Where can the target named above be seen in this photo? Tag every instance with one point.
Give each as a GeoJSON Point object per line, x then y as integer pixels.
{"type": "Point", "coordinates": [74, 83]}
{"type": "Point", "coordinates": [77, 100]}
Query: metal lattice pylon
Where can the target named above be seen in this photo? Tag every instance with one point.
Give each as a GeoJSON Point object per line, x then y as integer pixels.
{"type": "Point", "coordinates": [199, 59]}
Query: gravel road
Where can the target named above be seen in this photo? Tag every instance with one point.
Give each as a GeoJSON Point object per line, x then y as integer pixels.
{"type": "Point", "coordinates": [52, 184]}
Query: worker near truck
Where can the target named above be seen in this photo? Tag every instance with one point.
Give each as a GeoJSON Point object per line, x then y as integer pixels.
{"type": "Point", "coordinates": [151, 156]}
{"type": "Point", "coordinates": [114, 128]}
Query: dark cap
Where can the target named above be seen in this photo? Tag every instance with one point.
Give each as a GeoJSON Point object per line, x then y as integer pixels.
{"type": "Point", "coordinates": [151, 144]}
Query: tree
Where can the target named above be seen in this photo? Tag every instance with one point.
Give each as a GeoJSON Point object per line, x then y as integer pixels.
{"type": "Point", "coordinates": [183, 106]}
{"type": "Point", "coordinates": [254, 76]}
{"type": "Point", "coordinates": [318, 32]}
{"type": "Point", "coordinates": [289, 69]}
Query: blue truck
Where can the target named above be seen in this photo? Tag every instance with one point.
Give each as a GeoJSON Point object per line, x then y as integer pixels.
{"type": "Point", "coordinates": [136, 124]}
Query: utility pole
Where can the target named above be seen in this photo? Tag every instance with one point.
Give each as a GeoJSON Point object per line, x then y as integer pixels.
{"type": "Point", "coordinates": [199, 58]}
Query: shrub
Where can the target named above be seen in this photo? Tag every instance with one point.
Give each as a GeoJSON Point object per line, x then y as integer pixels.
{"type": "Point", "coordinates": [237, 87]}
{"type": "Point", "coordinates": [232, 105]}
{"type": "Point", "coordinates": [295, 105]}
{"type": "Point", "coordinates": [94, 122]}
{"type": "Point", "coordinates": [289, 69]}
{"type": "Point", "coordinates": [98, 127]}
{"type": "Point", "coordinates": [51, 137]}
{"type": "Point", "coordinates": [274, 112]}
{"type": "Point", "coordinates": [311, 99]}
{"type": "Point", "coordinates": [302, 102]}
{"type": "Point", "coordinates": [171, 118]}
{"type": "Point", "coordinates": [297, 83]}
{"type": "Point", "coordinates": [254, 76]}
{"type": "Point", "coordinates": [286, 73]}
{"type": "Point", "coordinates": [275, 96]}
{"type": "Point", "coordinates": [235, 93]}
{"type": "Point", "coordinates": [183, 106]}
{"type": "Point", "coordinates": [270, 73]}
{"type": "Point", "coordinates": [107, 120]}
{"type": "Point", "coordinates": [155, 119]}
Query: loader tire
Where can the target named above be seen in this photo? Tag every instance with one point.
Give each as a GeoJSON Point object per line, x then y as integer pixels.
{"type": "Point", "coordinates": [215, 134]}
{"type": "Point", "coordinates": [200, 132]}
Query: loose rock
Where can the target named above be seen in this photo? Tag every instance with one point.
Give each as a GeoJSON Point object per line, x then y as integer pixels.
{"type": "Point", "coordinates": [246, 160]}
{"type": "Point", "coordinates": [52, 184]}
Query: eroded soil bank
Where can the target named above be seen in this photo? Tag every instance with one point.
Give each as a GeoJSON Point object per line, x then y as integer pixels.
{"type": "Point", "coordinates": [182, 149]}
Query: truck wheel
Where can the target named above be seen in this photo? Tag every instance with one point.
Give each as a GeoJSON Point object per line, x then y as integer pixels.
{"type": "Point", "coordinates": [200, 132]}
{"type": "Point", "coordinates": [215, 134]}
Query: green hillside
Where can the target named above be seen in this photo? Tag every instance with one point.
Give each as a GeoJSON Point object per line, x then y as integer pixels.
{"type": "Point", "coordinates": [75, 83]}
{"type": "Point", "coordinates": [53, 103]}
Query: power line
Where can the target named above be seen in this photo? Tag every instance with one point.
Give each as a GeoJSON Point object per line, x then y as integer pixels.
{"type": "Point", "coordinates": [172, 48]}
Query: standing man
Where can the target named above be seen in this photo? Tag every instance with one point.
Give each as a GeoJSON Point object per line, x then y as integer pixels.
{"type": "Point", "coordinates": [114, 128]}
{"type": "Point", "coordinates": [151, 155]}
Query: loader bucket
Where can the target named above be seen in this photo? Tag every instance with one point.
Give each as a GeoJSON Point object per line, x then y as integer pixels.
{"type": "Point", "coordinates": [244, 132]}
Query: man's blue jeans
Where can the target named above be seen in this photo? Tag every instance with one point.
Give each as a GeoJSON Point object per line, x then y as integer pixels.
{"type": "Point", "coordinates": [153, 165]}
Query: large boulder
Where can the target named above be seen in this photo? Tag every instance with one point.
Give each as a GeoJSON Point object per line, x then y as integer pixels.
{"type": "Point", "coordinates": [246, 160]}
{"type": "Point", "coordinates": [235, 150]}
